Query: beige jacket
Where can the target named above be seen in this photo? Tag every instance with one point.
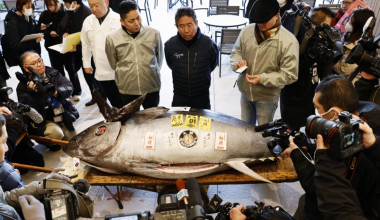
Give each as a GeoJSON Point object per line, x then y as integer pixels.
{"type": "Point", "coordinates": [344, 68]}
{"type": "Point", "coordinates": [275, 60]}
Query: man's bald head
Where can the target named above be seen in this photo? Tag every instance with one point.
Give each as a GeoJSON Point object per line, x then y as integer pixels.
{"type": "Point", "coordinates": [32, 59]}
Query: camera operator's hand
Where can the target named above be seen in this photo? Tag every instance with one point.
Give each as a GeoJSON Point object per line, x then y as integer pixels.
{"type": "Point", "coordinates": [53, 175]}
{"type": "Point", "coordinates": [88, 70]}
{"type": "Point", "coordinates": [32, 86]}
{"type": "Point", "coordinates": [5, 111]}
{"type": "Point", "coordinates": [31, 208]}
{"type": "Point", "coordinates": [241, 63]}
{"type": "Point", "coordinates": [236, 213]}
{"type": "Point", "coordinates": [368, 76]}
{"type": "Point", "coordinates": [292, 146]}
{"type": "Point", "coordinates": [320, 144]}
{"type": "Point", "coordinates": [369, 138]}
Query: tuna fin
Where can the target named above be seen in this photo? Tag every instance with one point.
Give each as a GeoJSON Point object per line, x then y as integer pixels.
{"type": "Point", "coordinates": [239, 165]}
{"type": "Point", "coordinates": [115, 114]}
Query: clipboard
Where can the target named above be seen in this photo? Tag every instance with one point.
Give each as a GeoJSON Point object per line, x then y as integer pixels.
{"type": "Point", "coordinates": [31, 37]}
{"type": "Point", "coordinates": [67, 43]}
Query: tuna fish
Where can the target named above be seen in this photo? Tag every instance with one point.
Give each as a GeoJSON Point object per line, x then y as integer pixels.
{"type": "Point", "coordinates": [168, 143]}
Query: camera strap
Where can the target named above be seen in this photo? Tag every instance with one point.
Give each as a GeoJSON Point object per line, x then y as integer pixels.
{"type": "Point", "coordinates": [354, 74]}
{"type": "Point", "coordinates": [352, 165]}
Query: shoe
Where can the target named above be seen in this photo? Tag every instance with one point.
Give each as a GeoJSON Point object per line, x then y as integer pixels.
{"type": "Point", "coordinates": [54, 148]}
{"type": "Point", "coordinates": [76, 98]}
{"type": "Point", "coordinates": [92, 102]}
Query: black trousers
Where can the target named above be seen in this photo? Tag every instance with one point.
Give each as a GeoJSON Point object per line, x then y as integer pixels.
{"type": "Point", "coordinates": [112, 93]}
{"type": "Point", "coordinates": [151, 99]}
{"type": "Point", "coordinates": [199, 101]}
{"type": "Point", "coordinates": [66, 61]}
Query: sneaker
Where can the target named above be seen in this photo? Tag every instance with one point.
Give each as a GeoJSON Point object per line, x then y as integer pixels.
{"type": "Point", "coordinates": [76, 98]}
{"type": "Point", "coordinates": [54, 148]}
{"type": "Point", "coordinates": [92, 102]}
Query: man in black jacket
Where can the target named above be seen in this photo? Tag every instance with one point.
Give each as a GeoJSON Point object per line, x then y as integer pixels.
{"type": "Point", "coordinates": [337, 198]}
{"type": "Point", "coordinates": [57, 112]}
{"type": "Point", "coordinates": [191, 56]}
{"type": "Point", "coordinates": [334, 95]}
{"type": "Point", "coordinates": [72, 23]}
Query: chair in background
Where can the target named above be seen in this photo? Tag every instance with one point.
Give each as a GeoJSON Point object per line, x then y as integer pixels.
{"type": "Point", "coordinates": [213, 4]}
{"type": "Point", "coordinates": [9, 4]}
{"type": "Point", "coordinates": [229, 10]}
{"type": "Point", "coordinates": [227, 42]}
{"type": "Point", "coordinates": [147, 10]}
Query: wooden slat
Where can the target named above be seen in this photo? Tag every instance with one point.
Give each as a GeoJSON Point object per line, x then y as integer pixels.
{"type": "Point", "coordinates": [281, 170]}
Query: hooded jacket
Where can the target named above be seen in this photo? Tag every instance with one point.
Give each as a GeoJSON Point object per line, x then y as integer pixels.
{"type": "Point", "coordinates": [136, 61]}
{"type": "Point", "coordinates": [275, 60]}
{"type": "Point", "coordinates": [16, 28]}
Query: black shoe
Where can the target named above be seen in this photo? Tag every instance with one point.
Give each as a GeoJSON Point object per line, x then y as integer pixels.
{"type": "Point", "coordinates": [54, 148]}
{"type": "Point", "coordinates": [92, 102]}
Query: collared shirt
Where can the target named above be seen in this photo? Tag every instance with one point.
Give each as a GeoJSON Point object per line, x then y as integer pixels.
{"type": "Point", "coordinates": [104, 17]}
{"type": "Point", "coordinates": [134, 35]}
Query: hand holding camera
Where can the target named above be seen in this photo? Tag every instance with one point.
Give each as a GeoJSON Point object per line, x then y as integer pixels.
{"type": "Point", "coordinates": [31, 208]}
{"type": "Point", "coordinates": [236, 213]}
{"type": "Point", "coordinates": [53, 175]}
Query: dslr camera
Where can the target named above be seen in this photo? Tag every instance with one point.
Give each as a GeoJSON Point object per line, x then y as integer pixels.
{"type": "Point", "coordinates": [42, 83]}
{"type": "Point", "coordinates": [344, 136]}
{"type": "Point", "coordinates": [65, 201]}
{"type": "Point", "coordinates": [364, 53]}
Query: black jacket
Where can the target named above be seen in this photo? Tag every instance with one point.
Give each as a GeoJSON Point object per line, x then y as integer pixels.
{"type": "Point", "coordinates": [72, 22]}
{"type": "Point", "coordinates": [16, 28]}
{"type": "Point", "coordinates": [48, 17]}
{"type": "Point", "coordinates": [363, 179]}
{"type": "Point", "coordinates": [191, 68]}
{"type": "Point", "coordinates": [38, 102]}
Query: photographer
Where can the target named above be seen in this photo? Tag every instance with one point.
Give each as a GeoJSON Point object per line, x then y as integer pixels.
{"type": "Point", "coordinates": [11, 201]}
{"type": "Point", "coordinates": [336, 195]}
{"type": "Point", "coordinates": [57, 112]}
{"type": "Point", "coordinates": [333, 95]}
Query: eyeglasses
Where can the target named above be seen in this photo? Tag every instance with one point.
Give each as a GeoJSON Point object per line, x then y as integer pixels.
{"type": "Point", "coordinates": [39, 61]}
{"type": "Point", "coordinates": [346, 3]}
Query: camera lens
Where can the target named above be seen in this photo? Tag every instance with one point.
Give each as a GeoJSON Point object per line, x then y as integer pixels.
{"type": "Point", "coordinates": [316, 125]}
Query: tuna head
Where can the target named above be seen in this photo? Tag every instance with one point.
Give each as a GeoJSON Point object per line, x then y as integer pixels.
{"type": "Point", "coordinates": [95, 141]}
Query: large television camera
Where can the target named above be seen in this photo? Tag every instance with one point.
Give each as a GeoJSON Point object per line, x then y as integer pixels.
{"type": "Point", "coordinates": [67, 202]}
{"type": "Point", "coordinates": [364, 54]}
{"type": "Point", "coordinates": [168, 207]}
{"type": "Point", "coordinates": [42, 83]}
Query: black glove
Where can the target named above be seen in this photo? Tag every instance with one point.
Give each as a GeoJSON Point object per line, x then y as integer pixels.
{"type": "Point", "coordinates": [15, 124]}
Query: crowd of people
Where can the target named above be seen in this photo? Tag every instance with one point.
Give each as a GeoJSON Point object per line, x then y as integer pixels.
{"type": "Point", "coordinates": [121, 59]}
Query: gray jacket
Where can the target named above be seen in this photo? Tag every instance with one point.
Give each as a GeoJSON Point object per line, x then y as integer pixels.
{"type": "Point", "coordinates": [275, 60]}
{"type": "Point", "coordinates": [137, 62]}
{"type": "Point", "coordinates": [11, 198]}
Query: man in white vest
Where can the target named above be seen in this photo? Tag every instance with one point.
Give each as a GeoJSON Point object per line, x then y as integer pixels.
{"type": "Point", "coordinates": [96, 27]}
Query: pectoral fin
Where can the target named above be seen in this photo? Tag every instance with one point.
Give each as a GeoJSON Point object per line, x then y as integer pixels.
{"type": "Point", "coordinates": [239, 165]}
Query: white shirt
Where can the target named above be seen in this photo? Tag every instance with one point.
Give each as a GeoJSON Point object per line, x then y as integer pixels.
{"type": "Point", "coordinates": [93, 38]}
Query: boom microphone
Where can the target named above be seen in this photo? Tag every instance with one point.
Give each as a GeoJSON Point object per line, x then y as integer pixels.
{"type": "Point", "coordinates": [22, 109]}
{"type": "Point", "coordinates": [183, 193]}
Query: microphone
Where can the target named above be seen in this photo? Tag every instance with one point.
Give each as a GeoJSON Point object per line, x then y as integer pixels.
{"type": "Point", "coordinates": [268, 125]}
{"type": "Point", "coordinates": [22, 109]}
{"type": "Point", "coordinates": [195, 200]}
{"type": "Point", "coordinates": [34, 115]}
{"type": "Point", "coordinates": [182, 194]}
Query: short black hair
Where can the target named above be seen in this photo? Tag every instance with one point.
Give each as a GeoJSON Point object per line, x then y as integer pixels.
{"type": "Point", "coordinates": [24, 55]}
{"type": "Point", "coordinates": [337, 90]}
{"type": "Point", "coordinates": [185, 11]}
{"type": "Point", "coordinates": [2, 123]}
{"type": "Point", "coordinates": [126, 6]}
{"type": "Point", "coordinates": [71, 1]}
{"type": "Point", "coordinates": [319, 14]}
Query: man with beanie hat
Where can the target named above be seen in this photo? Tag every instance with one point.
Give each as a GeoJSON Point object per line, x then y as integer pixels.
{"type": "Point", "coordinates": [271, 54]}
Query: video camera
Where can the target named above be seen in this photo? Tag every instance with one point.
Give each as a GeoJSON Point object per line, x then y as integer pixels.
{"type": "Point", "coordinates": [168, 207]}
{"type": "Point", "coordinates": [344, 136]}
{"type": "Point", "coordinates": [67, 202]}
{"type": "Point", "coordinates": [364, 54]}
{"type": "Point", "coordinates": [252, 212]}
{"type": "Point", "coordinates": [42, 83]}
{"type": "Point", "coordinates": [280, 132]}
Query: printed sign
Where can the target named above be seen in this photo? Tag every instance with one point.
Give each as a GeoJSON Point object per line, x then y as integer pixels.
{"type": "Point", "coordinates": [205, 141]}
{"type": "Point", "coordinates": [177, 121]}
{"type": "Point", "coordinates": [188, 139]}
{"type": "Point", "coordinates": [220, 140]}
{"type": "Point", "coordinates": [76, 163]}
{"type": "Point", "coordinates": [191, 121]}
{"type": "Point", "coordinates": [150, 141]}
{"type": "Point", "coordinates": [100, 130]}
{"type": "Point", "coordinates": [204, 123]}
{"type": "Point", "coordinates": [341, 25]}
{"type": "Point", "coordinates": [170, 139]}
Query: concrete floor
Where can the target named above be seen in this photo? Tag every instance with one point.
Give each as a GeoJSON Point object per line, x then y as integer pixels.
{"type": "Point", "coordinates": [224, 98]}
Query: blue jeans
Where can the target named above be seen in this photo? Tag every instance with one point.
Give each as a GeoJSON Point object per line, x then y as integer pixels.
{"type": "Point", "coordinates": [263, 111]}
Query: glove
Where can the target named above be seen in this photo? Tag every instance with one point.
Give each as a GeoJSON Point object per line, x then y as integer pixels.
{"type": "Point", "coordinates": [53, 175]}
{"type": "Point", "coordinates": [15, 124]}
{"type": "Point", "coordinates": [31, 208]}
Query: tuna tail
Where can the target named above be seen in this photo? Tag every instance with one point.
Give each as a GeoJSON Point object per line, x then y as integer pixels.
{"type": "Point", "coordinates": [112, 114]}
{"type": "Point", "coordinates": [239, 165]}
